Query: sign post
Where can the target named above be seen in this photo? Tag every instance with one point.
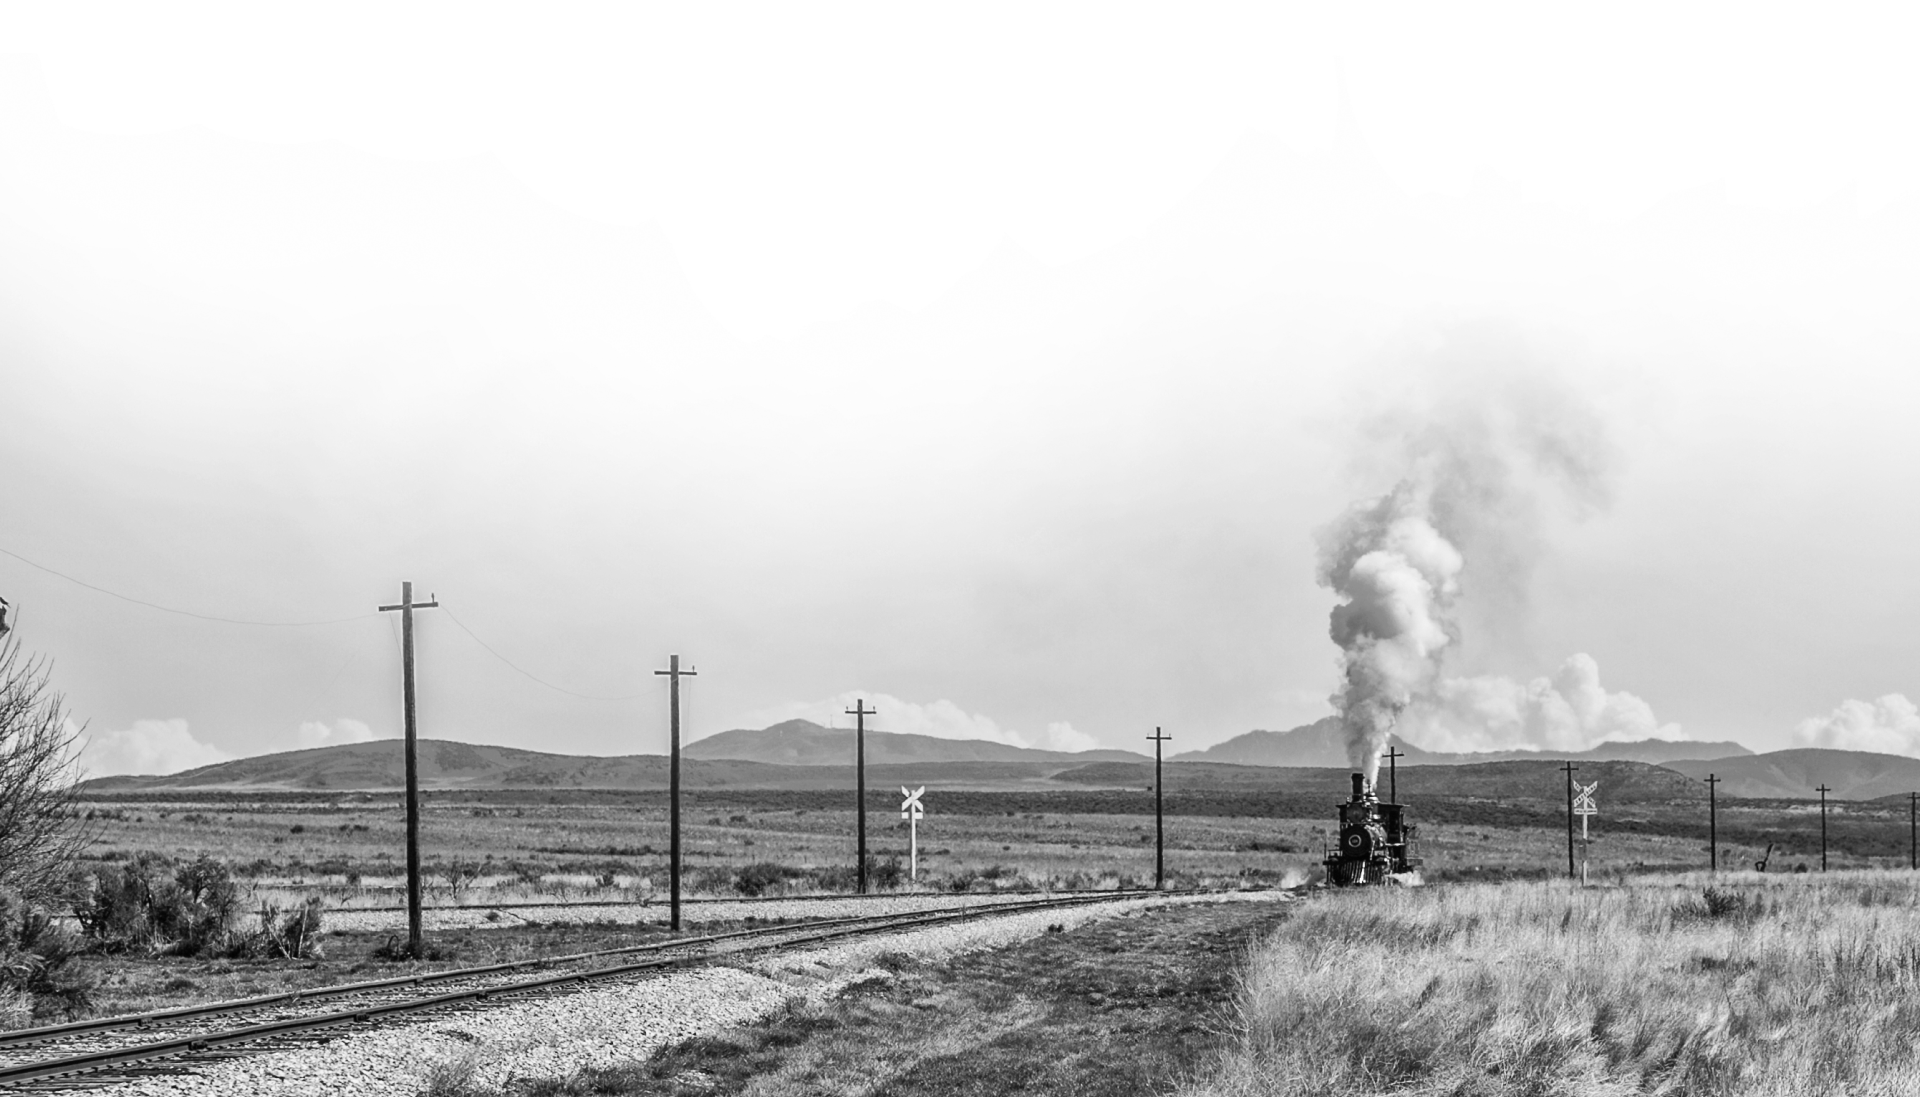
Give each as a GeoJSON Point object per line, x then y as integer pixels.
{"type": "Point", "coordinates": [1584, 807]}
{"type": "Point", "coordinates": [911, 810]}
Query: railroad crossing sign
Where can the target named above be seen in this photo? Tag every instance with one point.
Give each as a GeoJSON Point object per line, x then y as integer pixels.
{"type": "Point", "coordinates": [1583, 798]}
{"type": "Point", "coordinates": [912, 810]}
{"type": "Point", "coordinates": [1584, 806]}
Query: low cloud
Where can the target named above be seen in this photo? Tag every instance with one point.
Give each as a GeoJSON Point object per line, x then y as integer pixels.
{"type": "Point", "coordinates": [316, 734]}
{"type": "Point", "coordinates": [940, 719]}
{"type": "Point", "coordinates": [1890, 725]}
{"type": "Point", "coordinates": [148, 748]}
{"type": "Point", "coordinates": [1567, 710]}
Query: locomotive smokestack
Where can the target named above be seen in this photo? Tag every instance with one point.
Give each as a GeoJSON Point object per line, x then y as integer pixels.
{"type": "Point", "coordinates": [1359, 787]}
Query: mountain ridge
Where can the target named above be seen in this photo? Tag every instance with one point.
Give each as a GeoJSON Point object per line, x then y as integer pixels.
{"type": "Point", "coordinates": [1797, 773]}
{"type": "Point", "coordinates": [1320, 744]}
{"type": "Point", "coordinates": [805, 743]}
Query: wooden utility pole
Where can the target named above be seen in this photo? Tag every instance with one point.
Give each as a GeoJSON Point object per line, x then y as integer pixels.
{"type": "Point", "coordinates": [1713, 839]}
{"type": "Point", "coordinates": [1393, 785]}
{"type": "Point", "coordinates": [860, 712]}
{"type": "Point", "coordinates": [1913, 830]}
{"type": "Point", "coordinates": [416, 944]}
{"type": "Point", "coordinates": [1159, 813]}
{"type": "Point", "coordinates": [1823, 790]}
{"type": "Point", "coordinates": [674, 674]}
{"type": "Point", "coordinates": [1570, 769]}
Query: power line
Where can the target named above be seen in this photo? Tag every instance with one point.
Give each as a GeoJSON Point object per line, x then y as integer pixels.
{"type": "Point", "coordinates": [534, 677]}
{"type": "Point", "coordinates": [309, 624]}
{"type": "Point", "coordinates": [181, 612]}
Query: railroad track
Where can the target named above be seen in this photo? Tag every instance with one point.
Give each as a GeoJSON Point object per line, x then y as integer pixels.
{"type": "Point", "coordinates": [87, 1054]}
{"type": "Point", "coordinates": [659, 903]}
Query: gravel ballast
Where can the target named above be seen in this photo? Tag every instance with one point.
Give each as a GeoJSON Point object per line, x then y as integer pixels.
{"type": "Point", "coordinates": [607, 1024]}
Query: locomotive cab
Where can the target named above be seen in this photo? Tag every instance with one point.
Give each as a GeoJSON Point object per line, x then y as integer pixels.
{"type": "Point", "coordinates": [1375, 842]}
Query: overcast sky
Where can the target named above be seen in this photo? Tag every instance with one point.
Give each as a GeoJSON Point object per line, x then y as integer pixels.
{"type": "Point", "coordinates": [1000, 364]}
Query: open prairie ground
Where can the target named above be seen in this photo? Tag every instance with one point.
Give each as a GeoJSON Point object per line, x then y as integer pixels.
{"type": "Point", "coordinates": [1735, 985]}
{"type": "Point", "coordinates": [491, 848]}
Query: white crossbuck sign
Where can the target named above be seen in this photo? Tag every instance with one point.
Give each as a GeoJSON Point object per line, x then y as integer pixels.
{"type": "Point", "coordinates": [1583, 798]}
{"type": "Point", "coordinates": [912, 810]}
{"type": "Point", "coordinates": [1583, 806]}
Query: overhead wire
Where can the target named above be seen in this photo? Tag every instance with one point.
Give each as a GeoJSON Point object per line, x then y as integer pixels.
{"type": "Point", "coordinates": [181, 612]}
{"type": "Point", "coordinates": [393, 630]}
{"type": "Point", "coordinates": [534, 677]}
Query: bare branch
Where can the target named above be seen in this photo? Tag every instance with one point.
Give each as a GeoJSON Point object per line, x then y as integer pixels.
{"type": "Point", "coordinates": [40, 827]}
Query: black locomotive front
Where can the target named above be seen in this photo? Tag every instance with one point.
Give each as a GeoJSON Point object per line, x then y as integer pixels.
{"type": "Point", "coordinates": [1376, 843]}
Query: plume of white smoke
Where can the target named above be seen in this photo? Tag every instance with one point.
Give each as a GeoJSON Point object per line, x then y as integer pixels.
{"type": "Point", "coordinates": [1399, 577]}
{"type": "Point", "coordinates": [1567, 711]}
{"type": "Point", "coordinates": [1472, 469]}
{"type": "Point", "coordinates": [1890, 725]}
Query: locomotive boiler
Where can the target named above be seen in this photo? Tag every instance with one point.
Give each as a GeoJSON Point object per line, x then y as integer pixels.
{"type": "Point", "coordinates": [1376, 843]}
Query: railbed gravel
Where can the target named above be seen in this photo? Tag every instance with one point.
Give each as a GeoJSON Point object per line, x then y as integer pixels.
{"type": "Point", "coordinates": [606, 1024]}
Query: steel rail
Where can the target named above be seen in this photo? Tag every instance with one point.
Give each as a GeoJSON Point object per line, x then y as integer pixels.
{"type": "Point", "coordinates": [20, 1037]}
{"type": "Point", "coordinates": [99, 1060]}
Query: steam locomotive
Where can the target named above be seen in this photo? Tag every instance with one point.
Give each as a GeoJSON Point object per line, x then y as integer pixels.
{"type": "Point", "coordinates": [1376, 843]}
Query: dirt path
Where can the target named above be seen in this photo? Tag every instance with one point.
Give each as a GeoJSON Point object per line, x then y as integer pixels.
{"type": "Point", "coordinates": [1121, 1006]}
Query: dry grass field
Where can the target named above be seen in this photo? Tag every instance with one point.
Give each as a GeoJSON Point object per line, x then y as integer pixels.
{"type": "Point", "coordinates": [1737, 985]}
{"type": "Point", "coordinates": [350, 849]}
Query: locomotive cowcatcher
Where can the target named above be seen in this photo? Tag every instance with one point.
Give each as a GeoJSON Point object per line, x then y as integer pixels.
{"type": "Point", "coordinates": [1376, 843]}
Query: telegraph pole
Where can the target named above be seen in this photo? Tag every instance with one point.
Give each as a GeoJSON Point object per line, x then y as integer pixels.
{"type": "Point", "coordinates": [1159, 813]}
{"type": "Point", "coordinates": [1823, 790]}
{"type": "Point", "coordinates": [860, 712]}
{"type": "Point", "coordinates": [1393, 786]}
{"type": "Point", "coordinates": [674, 674]}
{"type": "Point", "coordinates": [416, 945]}
{"type": "Point", "coordinates": [1570, 769]}
{"type": "Point", "coordinates": [1713, 840]}
{"type": "Point", "coordinates": [1913, 829]}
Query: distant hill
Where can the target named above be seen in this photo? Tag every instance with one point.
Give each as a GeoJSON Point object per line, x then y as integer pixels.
{"type": "Point", "coordinates": [813, 757]}
{"type": "Point", "coordinates": [1310, 745]}
{"type": "Point", "coordinates": [1531, 779]}
{"type": "Point", "coordinates": [1797, 774]}
{"type": "Point", "coordinates": [1321, 744]}
{"type": "Point", "coordinates": [1662, 751]}
{"type": "Point", "coordinates": [379, 766]}
{"type": "Point", "coordinates": [805, 743]}
{"type": "Point", "coordinates": [443, 765]}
